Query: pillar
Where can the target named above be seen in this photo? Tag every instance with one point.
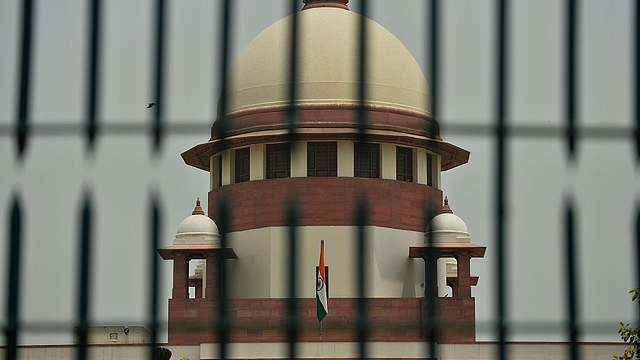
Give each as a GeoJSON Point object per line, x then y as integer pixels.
{"type": "Point", "coordinates": [464, 274]}
{"type": "Point", "coordinates": [180, 276]}
{"type": "Point", "coordinates": [210, 276]}
{"type": "Point", "coordinates": [442, 277]}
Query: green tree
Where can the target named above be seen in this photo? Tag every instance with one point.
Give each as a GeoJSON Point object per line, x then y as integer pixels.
{"type": "Point", "coordinates": [630, 335]}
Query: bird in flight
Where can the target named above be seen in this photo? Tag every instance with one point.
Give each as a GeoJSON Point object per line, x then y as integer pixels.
{"type": "Point", "coordinates": [151, 105]}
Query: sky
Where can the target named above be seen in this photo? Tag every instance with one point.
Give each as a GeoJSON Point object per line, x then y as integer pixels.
{"type": "Point", "coordinates": [123, 172]}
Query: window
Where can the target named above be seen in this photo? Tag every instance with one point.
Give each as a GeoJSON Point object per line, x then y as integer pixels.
{"type": "Point", "coordinates": [322, 159]}
{"type": "Point", "coordinates": [278, 161]}
{"type": "Point", "coordinates": [366, 160]}
{"type": "Point", "coordinates": [243, 164]}
{"type": "Point", "coordinates": [404, 164]}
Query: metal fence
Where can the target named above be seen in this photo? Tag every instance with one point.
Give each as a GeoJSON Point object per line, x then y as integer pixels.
{"type": "Point", "coordinates": [23, 132]}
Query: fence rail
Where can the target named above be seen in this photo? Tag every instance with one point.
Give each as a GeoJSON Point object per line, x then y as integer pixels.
{"type": "Point", "coordinates": [24, 132]}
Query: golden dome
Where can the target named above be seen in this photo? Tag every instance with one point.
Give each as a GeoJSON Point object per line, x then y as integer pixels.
{"type": "Point", "coordinates": [327, 66]}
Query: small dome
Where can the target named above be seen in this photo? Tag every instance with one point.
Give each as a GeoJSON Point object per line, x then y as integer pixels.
{"type": "Point", "coordinates": [197, 229]}
{"type": "Point", "coordinates": [447, 227]}
{"type": "Point", "coordinates": [328, 72]}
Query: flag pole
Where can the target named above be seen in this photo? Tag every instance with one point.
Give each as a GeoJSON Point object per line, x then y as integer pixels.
{"type": "Point", "coordinates": [320, 330]}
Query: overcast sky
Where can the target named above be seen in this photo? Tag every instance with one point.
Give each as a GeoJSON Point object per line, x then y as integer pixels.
{"type": "Point", "coordinates": [50, 183]}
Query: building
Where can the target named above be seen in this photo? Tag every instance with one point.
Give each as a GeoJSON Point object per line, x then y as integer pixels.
{"type": "Point", "coordinates": [326, 171]}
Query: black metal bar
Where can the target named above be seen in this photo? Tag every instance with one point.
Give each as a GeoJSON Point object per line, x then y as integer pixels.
{"type": "Point", "coordinates": [454, 127]}
{"type": "Point", "coordinates": [501, 183]}
{"type": "Point", "coordinates": [434, 50]}
{"type": "Point", "coordinates": [293, 68]}
{"type": "Point", "coordinates": [571, 73]}
{"type": "Point", "coordinates": [153, 271]}
{"type": "Point", "coordinates": [225, 40]}
{"type": "Point", "coordinates": [22, 120]}
{"type": "Point", "coordinates": [430, 282]}
{"type": "Point", "coordinates": [637, 82]}
{"type": "Point", "coordinates": [293, 324]}
{"type": "Point", "coordinates": [572, 279]}
{"type": "Point", "coordinates": [362, 70]}
{"type": "Point", "coordinates": [158, 81]}
{"type": "Point", "coordinates": [431, 294]}
{"type": "Point", "coordinates": [362, 321]}
{"type": "Point", "coordinates": [93, 68]}
{"type": "Point", "coordinates": [84, 277]}
{"type": "Point", "coordinates": [224, 322]}
{"type": "Point", "coordinates": [13, 279]}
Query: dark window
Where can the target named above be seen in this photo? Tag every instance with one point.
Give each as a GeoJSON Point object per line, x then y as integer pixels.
{"type": "Point", "coordinates": [404, 164]}
{"type": "Point", "coordinates": [366, 160]}
{"type": "Point", "coordinates": [243, 163]}
{"type": "Point", "coordinates": [278, 161]}
{"type": "Point", "coordinates": [322, 159]}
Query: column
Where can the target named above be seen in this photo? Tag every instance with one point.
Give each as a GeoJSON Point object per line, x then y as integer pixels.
{"type": "Point", "coordinates": [180, 276]}
{"type": "Point", "coordinates": [442, 277]}
{"type": "Point", "coordinates": [210, 276]}
{"type": "Point", "coordinates": [464, 274]}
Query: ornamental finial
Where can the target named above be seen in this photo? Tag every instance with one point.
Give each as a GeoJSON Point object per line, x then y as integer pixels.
{"type": "Point", "coordinates": [197, 210]}
{"type": "Point", "coordinates": [446, 208]}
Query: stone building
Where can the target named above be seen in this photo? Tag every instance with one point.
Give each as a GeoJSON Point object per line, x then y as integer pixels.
{"type": "Point", "coordinates": [326, 171]}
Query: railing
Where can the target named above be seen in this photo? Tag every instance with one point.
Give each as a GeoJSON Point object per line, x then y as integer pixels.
{"type": "Point", "coordinates": [24, 132]}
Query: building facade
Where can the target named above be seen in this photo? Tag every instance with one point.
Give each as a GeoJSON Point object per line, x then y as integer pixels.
{"type": "Point", "coordinates": [325, 170]}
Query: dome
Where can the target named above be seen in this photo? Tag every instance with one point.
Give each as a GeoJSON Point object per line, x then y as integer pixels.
{"type": "Point", "coordinates": [327, 65]}
{"type": "Point", "coordinates": [197, 229]}
{"type": "Point", "coordinates": [447, 227]}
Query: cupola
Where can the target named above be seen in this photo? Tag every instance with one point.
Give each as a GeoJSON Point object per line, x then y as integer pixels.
{"type": "Point", "coordinates": [447, 227]}
{"type": "Point", "coordinates": [197, 229]}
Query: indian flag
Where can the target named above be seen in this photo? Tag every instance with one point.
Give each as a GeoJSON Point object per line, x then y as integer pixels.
{"type": "Point", "coordinates": [321, 287]}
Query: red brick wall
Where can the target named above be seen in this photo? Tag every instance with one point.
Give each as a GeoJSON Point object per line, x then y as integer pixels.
{"type": "Point", "coordinates": [262, 320]}
{"type": "Point", "coordinates": [327, 202]}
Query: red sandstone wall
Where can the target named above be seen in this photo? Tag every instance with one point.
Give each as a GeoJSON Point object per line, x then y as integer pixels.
{"type": "Point", "coordinates": [327, 202]}
{"type": "Point", "coordinates": [262, 320]}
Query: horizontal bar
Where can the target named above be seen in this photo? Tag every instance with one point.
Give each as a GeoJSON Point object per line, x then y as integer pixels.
{"type": "Point", "coordinates": [595, 132]}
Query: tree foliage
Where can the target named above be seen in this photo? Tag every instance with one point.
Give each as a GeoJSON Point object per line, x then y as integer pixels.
{"type": "Point", "coordinates": [630, 335]}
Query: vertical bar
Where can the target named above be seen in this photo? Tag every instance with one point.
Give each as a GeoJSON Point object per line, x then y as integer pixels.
{"type": "Point", "coordinates": [84, 276]}
{"type": "Point", "coordinates": [22, 121]}
{"type": "Point", "coordinates": [501, 177]}
{"type": "Point", "coordinates": [430, 281]}
{"type": "Point", "coordinates": [433, 56]}
{"type": "Point", "coordinates": [223, 323]}
{"type": "Point", "coordinates": [362, 70]}
{"type": "Point", "coordinates": [225, 40]}
{"type": "Point", "coordinates": [637, 83]}
{"type": "Point", "coordinates": [572, 281]}
{"type": "Point", "coordinates": [571, 73]}
{"type": "Point", "coordinates": [93, 68]}
{"type": "Point", "coordinates": [158, 83]}
{"type": "Point", "coordinates": [362, 329]}
{"type": "Point", "coordinates": [223, 317]}
{"type": "Point", "coordinates": [154, 285]}
{"type": "Point", "coordinates": [430, 284]}
{"type": "Point", "coordinates": [293, 68]}
{"type": "Point", "coordinates": [292, 301]}
{"type": "Point", "coordinates": [13, 279]}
